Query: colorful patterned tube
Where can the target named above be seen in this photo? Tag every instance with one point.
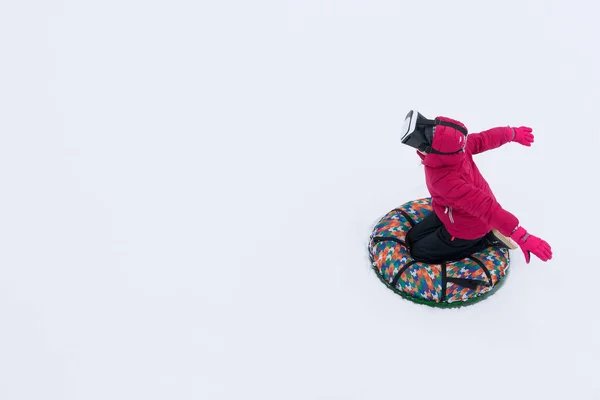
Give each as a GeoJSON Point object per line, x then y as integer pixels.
{"type": "Point", "coordinates": [449, 284]}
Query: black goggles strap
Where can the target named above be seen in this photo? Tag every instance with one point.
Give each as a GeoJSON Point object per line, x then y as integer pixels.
{"type": "Point", "coordinates": [443, 123]}
{"type": "Point", "coordinates": [428, 149]}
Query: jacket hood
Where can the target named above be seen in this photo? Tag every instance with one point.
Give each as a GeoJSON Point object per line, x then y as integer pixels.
{"type": "Point", "coordinates": [446, 139]}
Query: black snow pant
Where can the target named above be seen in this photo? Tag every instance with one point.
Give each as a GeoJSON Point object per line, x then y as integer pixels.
{"type": "Point", "coordinates": [429, 241]}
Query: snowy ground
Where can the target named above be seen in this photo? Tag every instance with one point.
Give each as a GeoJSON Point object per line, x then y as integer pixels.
{"type": "Point", "coordinates": [188, 189]}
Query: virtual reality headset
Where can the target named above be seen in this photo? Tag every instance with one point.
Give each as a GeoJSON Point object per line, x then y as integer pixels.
{"type": "Point", "coordinates": [418, 132]}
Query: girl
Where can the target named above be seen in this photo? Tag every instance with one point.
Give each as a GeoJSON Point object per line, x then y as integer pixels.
{"type": "Point", "coordinates": [467, 216]}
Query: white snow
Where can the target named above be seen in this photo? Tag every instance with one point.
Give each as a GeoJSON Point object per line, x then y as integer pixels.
{"type": "Point", "coordinates": [188, 188]}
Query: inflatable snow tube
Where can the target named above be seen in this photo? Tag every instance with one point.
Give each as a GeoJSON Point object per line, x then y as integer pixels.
{"type": "Point", "coordinates": [448, 284]}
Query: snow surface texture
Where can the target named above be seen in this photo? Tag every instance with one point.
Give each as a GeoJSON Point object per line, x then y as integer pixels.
{"type": "Point", "coordinates": [188, 189]}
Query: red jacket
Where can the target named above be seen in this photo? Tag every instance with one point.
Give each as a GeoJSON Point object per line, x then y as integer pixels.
{"type": "Point", "coordinates": [461, 197]}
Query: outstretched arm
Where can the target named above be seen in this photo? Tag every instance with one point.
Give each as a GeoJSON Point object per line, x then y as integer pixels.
{"type": "Point", "coordinates": [496, 137]}
{"type": "Point", "coordinates": [481, 204]}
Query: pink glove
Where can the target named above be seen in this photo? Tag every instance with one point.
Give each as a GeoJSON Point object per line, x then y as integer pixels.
{"type": "Point", "coordinates": [523, 135]}
{"type": "Point", "coordinates": [531, 244]}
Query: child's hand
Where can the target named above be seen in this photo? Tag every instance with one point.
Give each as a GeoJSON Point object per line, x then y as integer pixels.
{"type": "Point", "coordinates": [523, 135]}
{"type": "Point", "coordinates": [532, 244]}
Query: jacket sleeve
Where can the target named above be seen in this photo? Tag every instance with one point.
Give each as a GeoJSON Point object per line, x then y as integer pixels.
{"type": "Point", "coordinates": [462, 195]}
{"type": "Point", "coordinates": [489, 139]}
